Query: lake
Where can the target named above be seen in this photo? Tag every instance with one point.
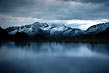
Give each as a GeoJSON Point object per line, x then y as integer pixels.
{"type": "Point", "coordinates": [52, 57]}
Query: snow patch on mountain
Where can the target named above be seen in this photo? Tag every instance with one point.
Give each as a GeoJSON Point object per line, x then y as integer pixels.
{"type": "Point", "coordinates": [97, 28]}
{"type": "Point", "coordinates": [56, 30]}
{"type": "Point", "coordinates": [44, 28]}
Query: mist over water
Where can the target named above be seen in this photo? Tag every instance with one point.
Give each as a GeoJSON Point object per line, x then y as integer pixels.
{"type": "Point", "coordinates": [52, 57]}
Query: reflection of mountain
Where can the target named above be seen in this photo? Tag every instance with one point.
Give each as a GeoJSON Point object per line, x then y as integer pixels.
{"type": "Point", "coordinates": [53, 47]}
{"type": "Point", "coordinates": [44, 31]}
{"type": "Point", "coordinates": [100, 48]}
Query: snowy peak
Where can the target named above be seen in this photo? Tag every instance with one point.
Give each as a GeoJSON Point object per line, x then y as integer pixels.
{"type": "Point", "coordinates": [97, 28]}
{"type": "Point", "coordinates": [45, 29]}
{"type": "Point", "coordinates": [37, 24]}
{"type": "Point", "coordinates": [55, 30]}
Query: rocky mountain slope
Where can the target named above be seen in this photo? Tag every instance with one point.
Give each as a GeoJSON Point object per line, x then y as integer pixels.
{"type": "Point", "coordinates": [44, 30]}
{"type": "Point", "coordinates": [95, 29]}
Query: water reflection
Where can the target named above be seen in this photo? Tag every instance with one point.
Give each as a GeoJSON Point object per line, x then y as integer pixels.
{"type": "Point", "coordinates": [25, 49]}
{"type": "Point", "coordinates": [52, 57]}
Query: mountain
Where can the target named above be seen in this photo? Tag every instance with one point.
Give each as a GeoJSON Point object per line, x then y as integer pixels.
{"type": "Point", "coordinates": [20, 35]}
{"type": "Point", "coordinates": [95, 29]}
{"type": "Point", "coordinates": [3, 34]}
{"type": "Point", "coordinates": [44, 29]}
{"type": "Point", "coordinates": [104, 34]}
{"type": "Point", "coordinates": [59, 32]}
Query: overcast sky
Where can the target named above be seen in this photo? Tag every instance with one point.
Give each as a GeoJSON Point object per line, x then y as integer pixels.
{"type": "Point", "coordinates": [74, 13]}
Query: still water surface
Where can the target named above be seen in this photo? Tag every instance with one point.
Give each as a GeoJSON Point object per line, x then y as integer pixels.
{"type": "Point", "coordinates": [52, 57]}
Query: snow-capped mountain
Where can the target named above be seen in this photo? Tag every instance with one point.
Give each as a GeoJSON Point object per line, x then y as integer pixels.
{"type": "Point", "coordinates": [45, 29]}
{"type": "Point", "coordinates": [95, 29]}
{"type": "Point", "coordinates": [55, 30]}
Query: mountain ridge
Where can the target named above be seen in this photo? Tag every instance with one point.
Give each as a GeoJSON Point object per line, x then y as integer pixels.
{"type": "Point", "coordinates": [45, 31]}
{"type": "Point", "coordinates": [53, 30]}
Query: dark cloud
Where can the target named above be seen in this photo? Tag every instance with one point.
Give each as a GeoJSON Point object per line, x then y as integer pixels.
{"type": "Point", "coordinates": [94, 1]}
{"type": "Point", "coordinates": [91, 1]}
{"type": "Point", "coordinates": [56, 9]}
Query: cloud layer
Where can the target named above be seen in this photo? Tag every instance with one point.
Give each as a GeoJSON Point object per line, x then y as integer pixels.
{"type": "Point", "coordinates": [52, 10]}
{"type": "Point", "coordinates": [74, 23]}
{"type": "Point", "coordinates": [56, 9]}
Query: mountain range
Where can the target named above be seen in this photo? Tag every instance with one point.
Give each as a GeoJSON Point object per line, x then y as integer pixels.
{"type": "Point", "coordinates": [43, 30]}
